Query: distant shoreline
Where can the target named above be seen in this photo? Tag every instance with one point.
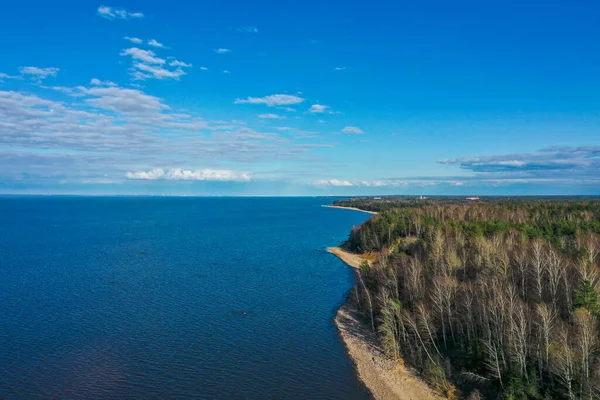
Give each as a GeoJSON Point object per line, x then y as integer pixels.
{"type": "Point", "coordinates": [351, 208]}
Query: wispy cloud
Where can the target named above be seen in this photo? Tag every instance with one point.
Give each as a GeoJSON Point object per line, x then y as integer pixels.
{"type": "Point", "coordinates": [582, 163]}
{"type": "Point", "coordinates": [145, 71]}
{"type": "Point", "coordinates": [98, 82]}
{"type": "Point", "coordinates": [226, 71]}
{"type": "Point", "coordinates": [6, 76]}
{"type": "Point", "coordinates": [272, 100]}
{"type": "Point", "coordinates": [318, 109]}
{"type": "Point", "coordinates": [333, 182]}
{"type": "Point", "coordinates": [147, 56]}
{"type": "Point", "coordinates": [352, 130]}
{"type": "Point", "coordinates": [177, 63]}
{"type": "Point", "coordinates": [39, 73]}
{"type": "Point", "coordinates": [340, 68]}
{"type": "Point", "coordinates": [155, 43]}
{"type": "Point", "coordinates": [204, 68]}
{"type": "Point", "coordinates": [107, 131]}
{"type": "Point", "coordinates": [114, 13]}
{"type": "Point", "coordinates": [134, 40]}
{"type": "Point", "coordinates": [222, 51]}
{"type": "Point", "coordinates": [270, 116]}
{"type": "Point", "coordinates": [189, 175]}
{"type": "Point", "coordinates": [146, 65]}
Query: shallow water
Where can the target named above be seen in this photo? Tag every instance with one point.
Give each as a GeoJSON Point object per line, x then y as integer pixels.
{"type": "Point", "coordinates": [142, 297]}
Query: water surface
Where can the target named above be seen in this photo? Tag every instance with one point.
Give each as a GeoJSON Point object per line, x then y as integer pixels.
{"type": "Point", "coordinates": [141, 297]}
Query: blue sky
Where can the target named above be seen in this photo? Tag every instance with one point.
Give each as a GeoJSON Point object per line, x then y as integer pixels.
{"type": "Point", "coordinates": [300, 97]}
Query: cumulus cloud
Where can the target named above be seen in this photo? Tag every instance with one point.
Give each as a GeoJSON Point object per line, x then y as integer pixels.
{"type": "Point", "coordinates": [146, 56]}
{"type": "Point", "coordinates": [134, 40]}
{"type": "Point", "coordinates": [113, 13]}
{"type": "Point", "coordinates": [352, 130]}
{"type": "Point", "coordinates": [318, 108]}
{"type": "Point", "coordinates": [333, 182]}
{"type": "Point", "coordinates": [98, 82]}
{"type": "Point", "coordinates": [125, 101]}
{"type": "Point", "coordinates": [155, 43]}
{"type": "Point", "coordinates": [39, 73]}
{"type": "Point", "coordinates": [222, 51]}
{"type": "Point", "coordinates": [177, 63]}
{"type": "Point", "coordinates": [146, 65]}
{"type": "Point", "coordinates": [189, 175]}
{"type": "Point", "coordinates": [145, 71]}
{"type": "Point", "coordinates": [270, 116]}
{"type": "Point", "coordinates": [272, 100]}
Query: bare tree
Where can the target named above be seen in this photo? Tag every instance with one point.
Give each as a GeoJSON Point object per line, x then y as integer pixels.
{"type": "Point", "coordinates": [537, 267]}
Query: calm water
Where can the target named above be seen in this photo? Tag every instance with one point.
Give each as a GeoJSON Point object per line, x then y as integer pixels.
{"type": "Point", "coordinates": [229, 298]}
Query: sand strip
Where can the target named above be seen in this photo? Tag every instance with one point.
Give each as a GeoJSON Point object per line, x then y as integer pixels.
{"type": "Point", "coordinates": [351, 208]}
{"type": "Point", "coordinates": [385, 379]}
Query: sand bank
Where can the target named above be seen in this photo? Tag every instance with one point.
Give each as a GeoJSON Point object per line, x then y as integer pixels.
{"type": "Point", "coordinates": [351, 208]}
{"type": "Point", "coordinates": [385, 379]}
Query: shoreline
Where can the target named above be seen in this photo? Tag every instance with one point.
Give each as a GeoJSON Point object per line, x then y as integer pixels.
{"type": "Point", "coordinates": [385, 379]}
{"type": "Point", "coordinates": [350, 208]}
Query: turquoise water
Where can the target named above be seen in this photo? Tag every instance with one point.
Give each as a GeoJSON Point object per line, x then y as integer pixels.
{"type": "Point", "coordinates": [140, 297]}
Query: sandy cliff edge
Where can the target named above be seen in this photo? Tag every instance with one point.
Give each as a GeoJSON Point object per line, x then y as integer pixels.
{"type": "Point", "coordinates": [385, 379]}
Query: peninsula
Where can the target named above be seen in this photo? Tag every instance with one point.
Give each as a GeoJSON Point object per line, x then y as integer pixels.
{"type": "Point", "coordinates": [458, 298]}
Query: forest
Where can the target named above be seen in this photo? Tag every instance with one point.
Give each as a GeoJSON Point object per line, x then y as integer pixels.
{"type": "Point", "coordinates": [495, 299]}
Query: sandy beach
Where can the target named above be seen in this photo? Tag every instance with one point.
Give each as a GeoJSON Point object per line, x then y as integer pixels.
{"type": "Point", "coordinates": [385, 379]}
{"type": "Point", "coordinates": [350, 208]}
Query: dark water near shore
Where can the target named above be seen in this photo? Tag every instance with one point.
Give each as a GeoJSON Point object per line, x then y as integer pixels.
{"type": "Point", "coordinates": [133, 297]}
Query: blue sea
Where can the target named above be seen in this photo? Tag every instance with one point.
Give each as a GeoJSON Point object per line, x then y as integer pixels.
{"type": "Point", "coordinates": [173, 297]}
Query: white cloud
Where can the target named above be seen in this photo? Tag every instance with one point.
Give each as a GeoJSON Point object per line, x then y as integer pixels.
{"type": "Point", "coordinates": [125, 101]}
{"type": "Point", "coordinates": [145, 71]}
{"type": "Point", "coordinates": [154, 43]}
{"type": "Point", "coordinates": [146, 56]}
{"type": "Point", "coordinates": [318, 108]}
{"type": "Point", "coordinates": [177, 63]}
{"type": "Point", "coordinates": [134, 40]}
{"type": "Point", "coordinates": [226, 71]}
{"type": "Point", "coordinates": [270, 116]}
{"type": "Point", "coordinates": [272, 100]}
{"type": "Point", "coordinates": [222, 51]}
{"type": "Point", "coordinates": [6, 76]}
{"type": "Point", "coordinates": [222, 175]}
{"type": "Point", "coordinates": [333, 182]}
{"type": "Point", "coordinates": [39, 73]}
{"type": "Point", "coordinates": [340, 68]}
{"type": "Point", "coordinates": [112, 130]}
{"type": "Point", "coordinates": [204, 68]}
{"type": "Point", "coordinates": [113, 13]}
{"type": "Point", "coordinates": [98, 82]}
{"type": "Point", "coordinates": [352, 130]}
{"type": "Point", "coordinates": [156, 173]}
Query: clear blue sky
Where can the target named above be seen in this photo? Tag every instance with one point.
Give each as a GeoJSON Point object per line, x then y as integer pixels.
{"type": "Point", "coordinates": [300, 97]}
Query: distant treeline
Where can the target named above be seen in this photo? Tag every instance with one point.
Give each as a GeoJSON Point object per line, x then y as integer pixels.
{"type": "Point", "coordinates": [496, 298]}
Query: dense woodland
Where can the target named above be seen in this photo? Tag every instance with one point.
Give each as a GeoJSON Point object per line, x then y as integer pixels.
{"type": "Point", "coordinates": [494, 299]}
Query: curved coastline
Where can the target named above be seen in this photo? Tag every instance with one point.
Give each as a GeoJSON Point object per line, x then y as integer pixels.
{"type": "Point", "coordinates": [387, 380]}
{"type": "Point", "coordinates": [350, 208]}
